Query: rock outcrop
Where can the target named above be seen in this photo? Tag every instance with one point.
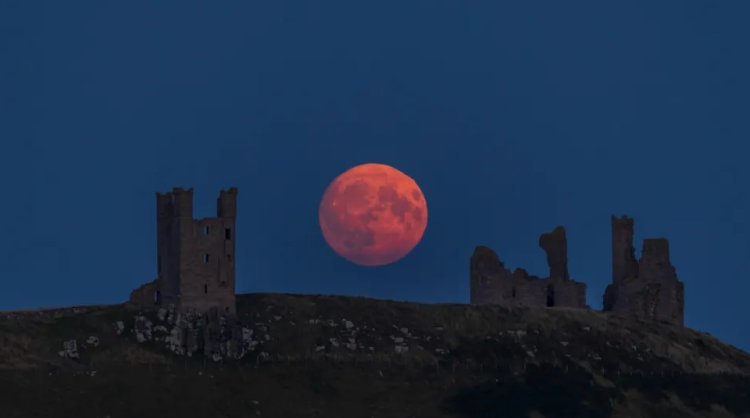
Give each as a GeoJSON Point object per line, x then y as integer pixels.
{"type": "Point", "coordinates": [215, 335]}
{"type": "Point", "coordinates": [70, 350]}
{"type": "Point", "coordinates": [349, 351]}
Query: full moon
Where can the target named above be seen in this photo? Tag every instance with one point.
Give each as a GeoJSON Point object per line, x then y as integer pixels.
{"type": "Point", "coordinates": [373, 214]}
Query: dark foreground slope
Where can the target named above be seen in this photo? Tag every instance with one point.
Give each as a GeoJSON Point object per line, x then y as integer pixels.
{"type": "Point", "coordinates": [326, 356]}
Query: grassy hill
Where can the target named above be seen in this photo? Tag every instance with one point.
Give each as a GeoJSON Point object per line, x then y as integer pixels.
{"type": "Point", "coordinates": [334, 356]}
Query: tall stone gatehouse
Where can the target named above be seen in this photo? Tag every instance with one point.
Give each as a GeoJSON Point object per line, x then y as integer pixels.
{"type": "Point", "coordinates": [194, 257]}
{"type": "Point", "coordinates": [648, 288]}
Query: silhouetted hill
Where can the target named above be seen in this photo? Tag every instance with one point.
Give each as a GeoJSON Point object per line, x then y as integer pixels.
{"type": "Point", "coordinates": [335, 356]}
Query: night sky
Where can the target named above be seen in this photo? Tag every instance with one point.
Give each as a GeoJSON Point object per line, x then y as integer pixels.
{"type": "Point", "coordinates": [513, 118]}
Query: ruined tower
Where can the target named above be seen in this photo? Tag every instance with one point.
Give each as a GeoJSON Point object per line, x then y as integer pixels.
{"type": "Point", "coordinates": [648, 288]}
{"type": "Point", "coordinates": [623, 254]}
{"type": "Point", "coordinates": [492, 283]}
{"type": "Point", "coordinates": [555, 244]}
{"type": "Point", "coordinates": [194, 257]}
{"type": "Point", "coordinates": [561, 291]}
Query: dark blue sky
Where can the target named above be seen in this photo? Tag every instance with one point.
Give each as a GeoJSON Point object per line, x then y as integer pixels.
{"type": "Point", "coordinates": [513, 118]}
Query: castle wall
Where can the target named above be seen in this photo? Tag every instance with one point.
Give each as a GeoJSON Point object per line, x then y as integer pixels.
{"type": "Point", "coordinates": [489, 279]}
{"type": "Point", "coordinates": [529, 291]}
{"type": "Point", "coordinates": [492, 283]}
{"type": "Point", "coordinates": [207, 259]}
{"type": "Point", "coordinates": [206, 267]}
{"type": "Point", "coordinates": [144, 296]}
{"type": "Point", "coordinates": [650, 301]}
{"type": "Point", "coordinates": [569, 293]}
{"type": "Point", "coordinates": [654, 263]}
{"type": "Point", "coordinates": [169, 229]}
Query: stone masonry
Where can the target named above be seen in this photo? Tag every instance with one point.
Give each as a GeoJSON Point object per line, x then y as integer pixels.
{"type": "Point", "coordinates": [493, 283]}
{"type": "Point", "coordinates": [555, 245]}
{"type": "Point", "coordinates": [195, 257]}
{"type": "Point", "coordinates": [646, 289]}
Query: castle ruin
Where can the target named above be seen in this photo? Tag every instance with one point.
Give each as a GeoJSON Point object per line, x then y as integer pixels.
{"type": "Point", "coordinates": [646, 289]}
{"type": "Point", "coordinates": [493, 283]}
{"type": "Point", "coordinates": [195, 257]}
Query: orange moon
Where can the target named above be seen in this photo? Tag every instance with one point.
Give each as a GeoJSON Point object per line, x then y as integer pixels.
{"type": "Point", "coordinates": [373, 214]}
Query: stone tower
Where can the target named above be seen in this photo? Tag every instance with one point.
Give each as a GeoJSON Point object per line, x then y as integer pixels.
{"type": "Point", "coordinates": [648, 288]}
{"type": "Point", "coordinates": [624, 263]}
{"type": "Point", "coordinates": [194, 257]}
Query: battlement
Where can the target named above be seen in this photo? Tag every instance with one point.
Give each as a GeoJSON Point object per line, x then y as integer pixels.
{"type": "Point", "coordinates": [177, 203]}
{"type": "Point", "coordinates": [226, 204]}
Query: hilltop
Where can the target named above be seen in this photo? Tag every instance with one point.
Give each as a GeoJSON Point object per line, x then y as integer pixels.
{"type": "Point", "coordinates": [336, 356]}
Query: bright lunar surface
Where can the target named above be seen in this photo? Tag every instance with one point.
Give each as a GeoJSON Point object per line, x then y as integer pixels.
{"type": "Point", "coordinates": [373, 214]}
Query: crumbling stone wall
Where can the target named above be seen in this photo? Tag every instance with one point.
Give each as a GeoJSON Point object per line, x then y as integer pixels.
{"type": "Point", "coordinates": [623, 254]}
{"type": "Point", "coordinates": [489, 279]}
{"type": "Point", "coordinates": [528, 290]}
{"type": "Point", "coordinates": [555, 244]}
{"type": "Point", "coordinates": [569, 293]}
{"type": "Point", "coordinates": [195, 257]}
{"type": "Point", "coordinates": [144, 296]}
{"type": "Point", "coordinates": [492, 283]}
{"type": "Point", "coordinates": [647, 289]}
